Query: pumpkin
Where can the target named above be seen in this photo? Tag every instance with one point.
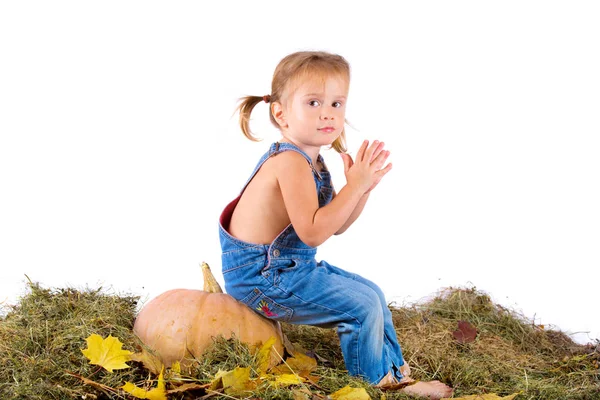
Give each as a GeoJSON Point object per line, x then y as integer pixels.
{"type": "Point", "coordinates": [179, 324]}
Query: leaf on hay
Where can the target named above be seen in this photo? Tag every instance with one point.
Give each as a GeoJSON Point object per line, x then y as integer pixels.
{"type": "Point", "coordinates": [350, 393]}
{"type": "Point", "coordinates": [151, 362]}
{"type": "Point", "coordinates": [264, 355]}
{"type": "Point", "coordinates": [233, 382]}
{"type": "Point", "coordinates": [106, 353]}
{"type": "Point", "coordinates": [299, 364]}
{"type": "Point", "coordinates": [158, 393]}
{"type": "Point", "coordinates": [466, 333]}
{"type": "Point", "coordinates": [287, 380]}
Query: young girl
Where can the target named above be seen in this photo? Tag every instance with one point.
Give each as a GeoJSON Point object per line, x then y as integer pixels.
{"type": "Point", "coordinates": [269, 234]}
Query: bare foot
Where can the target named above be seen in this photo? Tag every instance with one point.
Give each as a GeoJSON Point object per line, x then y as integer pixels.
{"type": "Point", "coordinates": [433, 390]}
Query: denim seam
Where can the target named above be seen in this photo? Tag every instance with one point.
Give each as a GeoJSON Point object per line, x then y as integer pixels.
{"type": "Point", "coordinates": [240, 250]}
{"type": "Point", "coordinates": [225, 271]}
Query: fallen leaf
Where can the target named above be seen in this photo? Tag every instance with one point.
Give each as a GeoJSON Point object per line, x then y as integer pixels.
{"type": "Point", "coordinates": [466, 333]}
{"type": "Point", "coordinates": [186, 387]}
{"type": "Point", "coordinates": [151, 362]}
{"type": "Point", "coordinates": [264, 355]}
{"type": "Point", "coordinates": [314, 379]}
{"type": "Point", "coordinates": [300, 364]}
{"type": "Point", "coordinates": [234, 382]}
{"type": "Point", "coordinates": [349, 393]}
{"type": "Point", "coordinates": [176, 367]}
{"type": "Point", "coordinates": [287, 380]}
{"type": "Point", "coordinates": [302, 394]}
{"type": "Point", "coordinates": [487, 396]}
{"type": "Point", "coordinates": [106, 352]}
{"type": "Point", "coordinates": [158, 393]}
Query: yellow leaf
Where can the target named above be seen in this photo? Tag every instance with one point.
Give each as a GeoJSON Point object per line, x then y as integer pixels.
{"type": "Point", "coordinates": [301, 364]}
{"type": "Point", "coordinates": [158, 393]}
{"type": "Point", "coordinates": [349, 393]}
{"type": "Point", "coordinates": [176, 367]}
{"type": "Point", "coordinates": [264, 355]}
{"type": "Point", "coordinates": [301, 394]}
{"type": "Point", "coordinates": [106, 352]}
{"type": "Point", "coordinates": [234, 382]}
{"type": "Point", "coordinates": [487, 396]}
{"type": "Point", "coordinates": [287, 380]}
{"type": "Point", "coordinates": [150, 361]}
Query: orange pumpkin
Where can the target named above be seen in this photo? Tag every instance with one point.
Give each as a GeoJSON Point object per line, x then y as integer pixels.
{"type": "Point", "coordinates": [179, 324]}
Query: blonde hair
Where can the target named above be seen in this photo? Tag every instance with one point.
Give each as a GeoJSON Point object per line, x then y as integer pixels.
{"type": "Point", "coordinates": [289, 73]}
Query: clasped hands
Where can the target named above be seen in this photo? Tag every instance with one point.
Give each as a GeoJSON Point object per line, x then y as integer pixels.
{"type": "Point", "coordinates": [367, 170]}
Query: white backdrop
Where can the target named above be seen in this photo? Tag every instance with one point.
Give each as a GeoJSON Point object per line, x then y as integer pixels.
{"type": "Point", "coordinates": [118, 149]}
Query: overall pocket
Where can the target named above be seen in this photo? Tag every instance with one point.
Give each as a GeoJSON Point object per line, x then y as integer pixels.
{"type": "Point", "coordinates": [264, 305]}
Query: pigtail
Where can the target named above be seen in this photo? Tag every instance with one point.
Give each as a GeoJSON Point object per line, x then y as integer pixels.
{"type": "Point", "coordinates": [339, 144]}
{"type": "Point", "coordinates": [245, 108]}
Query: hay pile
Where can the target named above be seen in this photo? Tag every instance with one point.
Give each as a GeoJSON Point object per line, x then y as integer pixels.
{"type": "Point", "coordinates": [41, 338]}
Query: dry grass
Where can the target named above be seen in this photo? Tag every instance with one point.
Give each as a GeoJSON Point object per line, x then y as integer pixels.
{"type": "Point", "coordinates": [42, 337]}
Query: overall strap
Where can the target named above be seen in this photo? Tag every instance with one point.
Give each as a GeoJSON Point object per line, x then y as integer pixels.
{"type": "Point", "coordinates": [277, 148]}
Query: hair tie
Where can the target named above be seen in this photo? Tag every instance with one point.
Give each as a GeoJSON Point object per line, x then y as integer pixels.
{"type": "Point", "coordinates": [267, 98]}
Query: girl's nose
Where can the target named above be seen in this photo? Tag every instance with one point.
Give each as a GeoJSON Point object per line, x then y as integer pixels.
{"type": "Point", "coordinates": [326, 115]}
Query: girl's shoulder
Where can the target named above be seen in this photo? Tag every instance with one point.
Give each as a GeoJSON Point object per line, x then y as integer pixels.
{"type": "Point", "coordinates": [289, 159]}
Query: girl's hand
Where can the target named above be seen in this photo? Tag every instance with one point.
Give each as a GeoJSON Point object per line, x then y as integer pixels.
{"type": "Point", "coordinates": [368, 170]}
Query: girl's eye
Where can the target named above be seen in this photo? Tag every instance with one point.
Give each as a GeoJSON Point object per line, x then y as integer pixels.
{"type": "Point", "coordinates": [312, 102]}
{"type": "Point", "coordinates": [337, 104]}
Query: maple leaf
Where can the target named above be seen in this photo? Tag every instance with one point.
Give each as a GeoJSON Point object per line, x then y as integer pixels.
{"type": "Point", "coordinates": [158, 393]}
{"type": "Point", "coordinates": [300, 364]}
{"type": "Point", "coordinates": [350, 393]}
{"type": "Point", "coordinates": [287, 380]}
{"type": "Point", "coordinates": [106, 353]}
{"type": "Point", "coordinates": [151, 362]}
{"type": "Point", "coordinates": [466, 333]}
{"type": "Point", "coordinates": [264, 355]}
{"type": "Point", "coordinates": [233, 382]}
{"type": "Point", "coordinates": [487, 396]}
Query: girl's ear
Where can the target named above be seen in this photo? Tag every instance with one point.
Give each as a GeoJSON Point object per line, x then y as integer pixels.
{"type": "Point", "coordinates": [278, 114]}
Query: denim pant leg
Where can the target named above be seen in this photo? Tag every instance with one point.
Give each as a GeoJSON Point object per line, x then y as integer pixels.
{"type": "Point", "coordinates": [391, 339]}
{"type": "Point", "coordinates": [326, 296]}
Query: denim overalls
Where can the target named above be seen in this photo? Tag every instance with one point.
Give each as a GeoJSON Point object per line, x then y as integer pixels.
{"type": "Point", "coordinates": [284, 282]}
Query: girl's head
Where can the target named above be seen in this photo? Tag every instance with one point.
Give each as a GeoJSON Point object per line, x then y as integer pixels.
{"type": "Point", "coordinates": [304, 71]}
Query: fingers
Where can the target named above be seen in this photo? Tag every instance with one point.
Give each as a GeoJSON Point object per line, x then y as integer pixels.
{"type": "Point", "coordinates": [361, 151]}
{"type": "Point", "coordinates": [384, 171]}
{"type": "Point", "coordinates": [348, 162]}
{"type": "Point", "coordinates": [370, 152]}
{"type": "Point", "coordinates": [380, 159]}
{"type": "Point", "coordinates": [377, 150]}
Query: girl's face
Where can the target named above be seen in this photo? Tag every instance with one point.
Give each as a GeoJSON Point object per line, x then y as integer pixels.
{"type": "Point", "coordinates": [314, 114]}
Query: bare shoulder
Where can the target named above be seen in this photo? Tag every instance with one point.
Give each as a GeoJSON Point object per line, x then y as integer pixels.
{"type": "Point", "coordinates": [290, 165]}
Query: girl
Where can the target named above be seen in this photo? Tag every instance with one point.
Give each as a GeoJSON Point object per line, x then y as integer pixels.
{"type": "Point", "coordinates": [270, 233]}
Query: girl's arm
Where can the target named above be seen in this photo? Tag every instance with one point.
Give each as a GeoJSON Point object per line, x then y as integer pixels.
{"type": "Point", "coordinates": [348, 162]}
{"type": "Point", "coordinates": [355, 213]}
{"type": "Point", "coordinates": [315, 225]}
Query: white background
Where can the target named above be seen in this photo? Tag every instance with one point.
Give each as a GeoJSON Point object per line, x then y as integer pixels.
{"type": "Point", "coordinates": [118, 148]}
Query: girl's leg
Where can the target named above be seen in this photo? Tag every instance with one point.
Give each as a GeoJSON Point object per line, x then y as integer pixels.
{"type": "Point", "coordinates": [390, 339]}
{"type": "Point", "coordinates": [318, 294]}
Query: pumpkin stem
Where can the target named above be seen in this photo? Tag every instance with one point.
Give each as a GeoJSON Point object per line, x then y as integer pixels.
{"type": "Point", "coordinates": [210, 283]}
